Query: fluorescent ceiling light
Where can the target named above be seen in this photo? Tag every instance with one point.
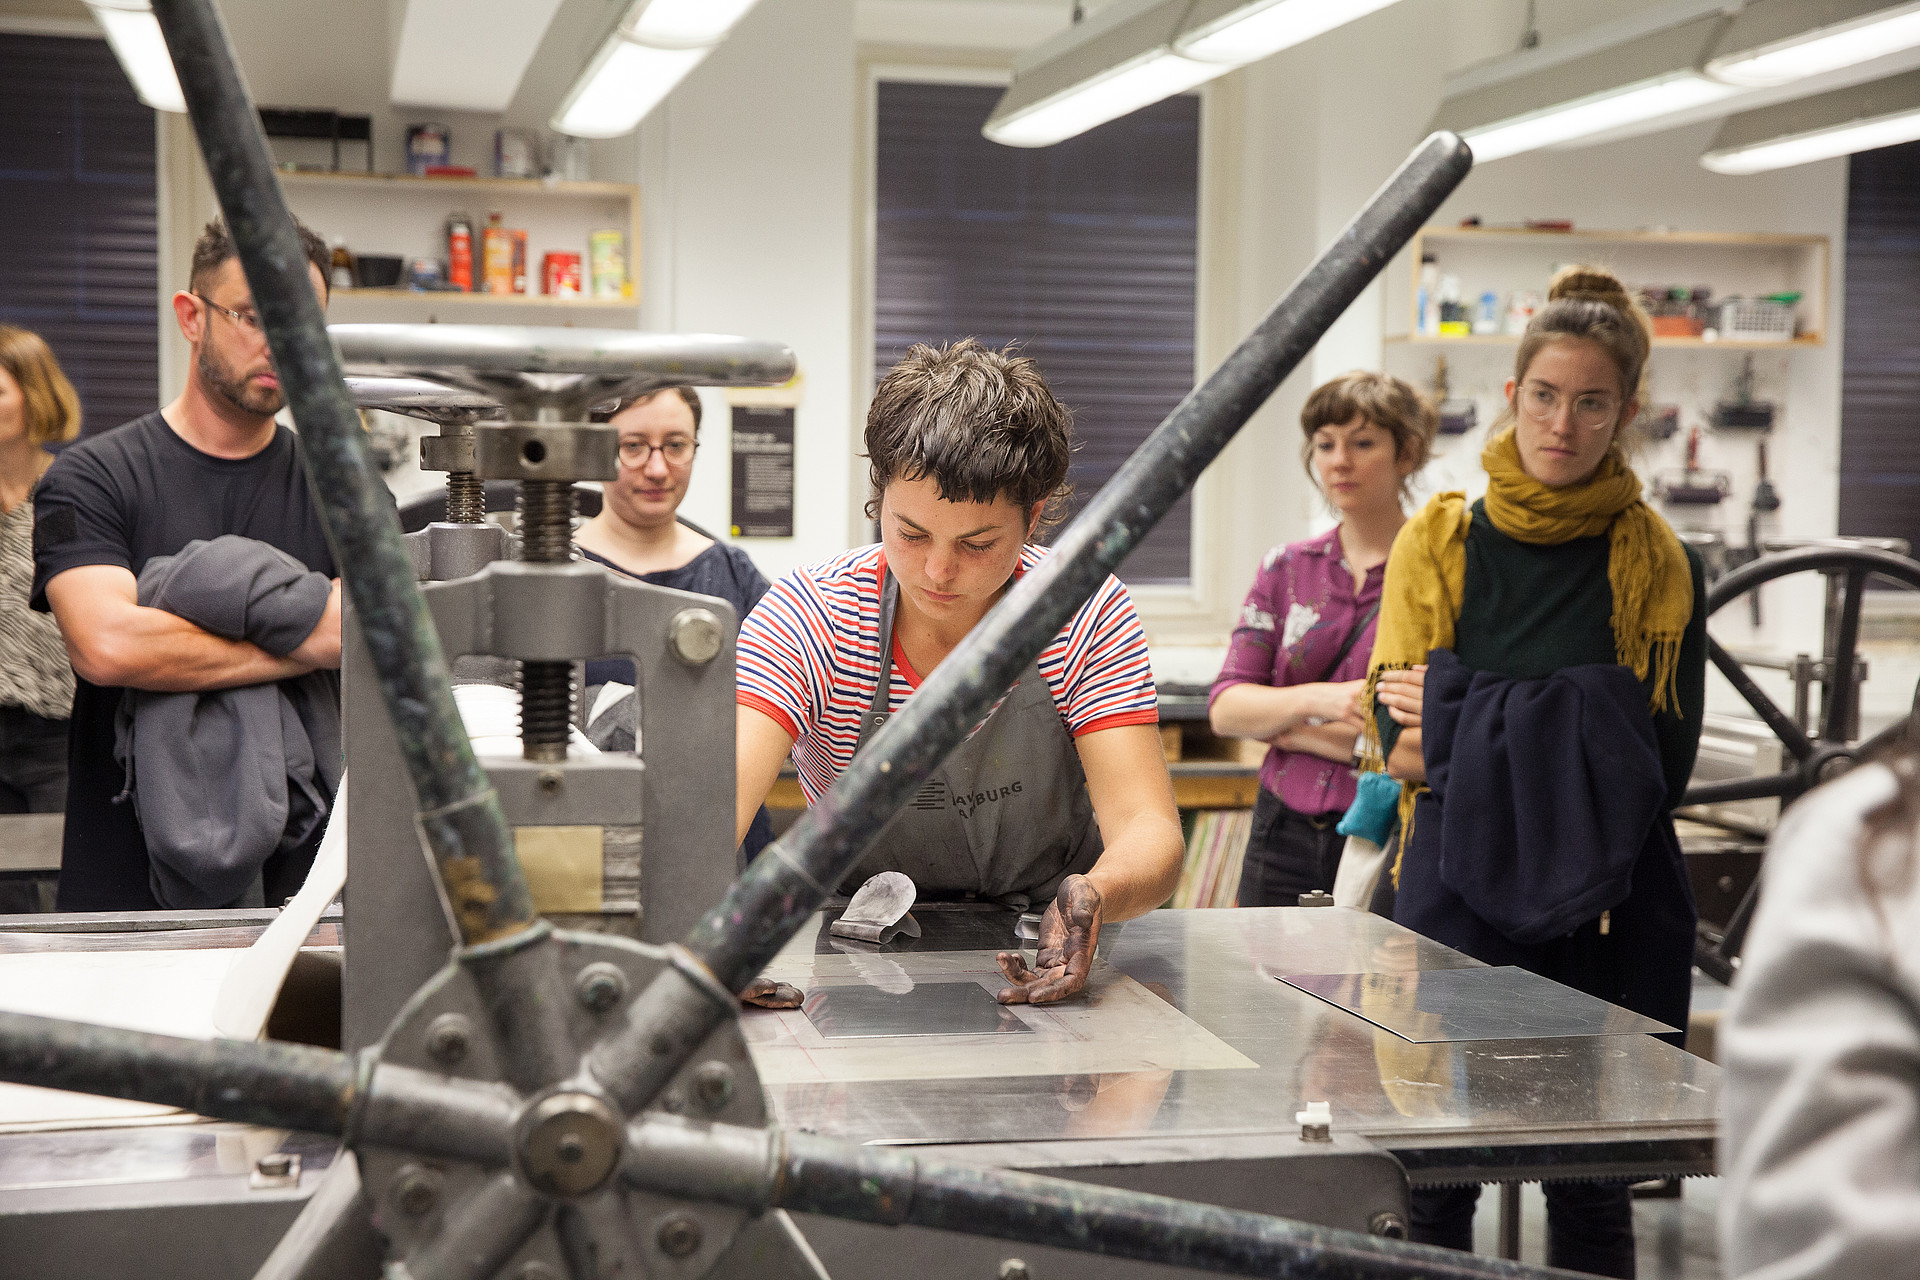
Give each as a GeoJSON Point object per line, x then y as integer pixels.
{"type": "Point", "coordinates": [1633, 104]}
{"type": "Point", "coordinates": [133, 33]}
{"type": "Point", "coordinates": [1631, 74]}
{"type": "Point", "coordinates": [623, 82]}
{"type": "Point", "coordinates": [1238, 32]}
{"type": "Point", "coordinates": [655, 45]}
{"type": "Point", "coordinates": [1142, 82]}
{"type": "Point", "coordinates": [1861, 118]}
{"type": "Point", "coordinates": [684, 22]}
{"type": "Point", "coordinates": [1118, 60]}
{"type": "Point", "coordinates": [1775, 42]}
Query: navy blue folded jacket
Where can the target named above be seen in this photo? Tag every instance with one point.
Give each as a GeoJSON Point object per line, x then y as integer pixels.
{"type": "Point", "coordinates": [1548, 808]}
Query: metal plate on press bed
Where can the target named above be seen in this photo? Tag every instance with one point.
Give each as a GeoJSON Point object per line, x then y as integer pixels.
{"type": "Point", "coordinates": [1498, 1003]}
{"type": "Point", "coordinates": [925, 1009]}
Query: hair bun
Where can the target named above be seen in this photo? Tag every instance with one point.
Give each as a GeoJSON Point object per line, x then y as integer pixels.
{"type": "Point", "coordinates": [1592, 284]}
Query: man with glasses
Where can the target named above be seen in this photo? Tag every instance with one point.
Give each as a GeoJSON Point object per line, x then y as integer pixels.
{"type": "Point", "coordinates": [640, 533]}
{"type": "Point", "coordinates": [212, 462]}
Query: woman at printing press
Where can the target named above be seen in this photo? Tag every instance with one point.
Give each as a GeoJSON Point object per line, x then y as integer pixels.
{"type": "Point", "coordinates": [1538, 680]}
{"type": "Point", "coordinates": [639, 532]}
{"type": "Point", "coordinates": [1820, 1111]}
{"type": "Point", "coordinates": [1059, 800]}
{"type": "Point", "coordinates": [1299, 655]}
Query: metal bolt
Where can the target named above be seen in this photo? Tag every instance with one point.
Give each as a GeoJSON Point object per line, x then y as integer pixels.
{"type": "Point", "coordinates": [1389, 1224]}
{"type": "Point", "coordinates": [1014, 1269]}
{"type": "Point", "coordinates": [600, 986]}
{"type": "Point", "coordinates": [449, 1036]}
{"type": "Point", "coordinates": [713, 1085]}
{"type": "Point", "coordinates": [695, 635]}
{"type": "Point", "coordinates": [679, 1237]}
{"type": "Point", "coordinates": [549, 780]}
{"type": "Point", "coordinates": [415, 1192]}
{"type": "Point", "coordinates": [275, 1164]}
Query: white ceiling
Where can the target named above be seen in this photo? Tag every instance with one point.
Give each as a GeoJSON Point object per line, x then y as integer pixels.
{"type": "Point", "coordinates": [460, 56]}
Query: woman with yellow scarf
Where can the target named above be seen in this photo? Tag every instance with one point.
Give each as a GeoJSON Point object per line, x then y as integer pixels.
{"type": "Point", "coordinates": [1536, 597]}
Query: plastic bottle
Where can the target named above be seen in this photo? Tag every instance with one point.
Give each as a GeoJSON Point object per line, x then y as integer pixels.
{"type": "Point", "coordinates": [1488, 321]}
{"type": "Point", "coordinates": [1429, 295]}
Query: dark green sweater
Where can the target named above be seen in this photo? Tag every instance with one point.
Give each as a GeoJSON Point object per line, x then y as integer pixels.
{"type": "Point", "coordinates": [1530, 610]}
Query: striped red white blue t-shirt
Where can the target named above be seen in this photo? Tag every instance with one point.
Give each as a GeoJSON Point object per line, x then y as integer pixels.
{"type": "Point", "coordinates": [809, 658]}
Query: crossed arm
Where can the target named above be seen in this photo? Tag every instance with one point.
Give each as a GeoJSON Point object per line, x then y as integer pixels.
{"type": "Point", "coordinates": [113, 640]}
{"type": "Point", "coordinates": [1319, 719]}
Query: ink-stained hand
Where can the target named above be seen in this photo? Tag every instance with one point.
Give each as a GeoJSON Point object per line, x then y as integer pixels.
{"type": "Point", "coordinates": [765, 993]}
{"type": "Point", "coordinates": [1069, 932]}
{"type": "Point", "coordinates": [1401, 693]}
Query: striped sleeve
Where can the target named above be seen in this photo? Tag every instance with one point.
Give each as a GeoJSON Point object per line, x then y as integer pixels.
{"type": "Point", "coordinates": [781, 668]}
{"type": "Point", "coordinates": [1098, 667]}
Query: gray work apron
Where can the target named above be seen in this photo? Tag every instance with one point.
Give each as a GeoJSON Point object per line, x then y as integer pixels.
{"type": "Point", "coordinates": [1006, 817]}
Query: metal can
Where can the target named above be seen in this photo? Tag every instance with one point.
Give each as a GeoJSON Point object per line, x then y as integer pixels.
{"type": "Point", "coordinates": [560, 274]}
{"type": "Point", "coordinates": [460, 252]}
{"type": "Point", "coordinates": [607, 263]}
{"type": "Point", "coordinates": [427, 145]}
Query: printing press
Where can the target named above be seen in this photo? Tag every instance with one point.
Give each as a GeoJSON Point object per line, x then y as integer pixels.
{"type": "Point", "coordinates": [1247, 1092]}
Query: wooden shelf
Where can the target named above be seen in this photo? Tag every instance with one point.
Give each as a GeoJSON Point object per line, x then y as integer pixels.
{"type": "Point", "coordinates": [556, 189]}
{"type": "Point", "coordinates": [1504, 260]}
{"type": "Point", "coordinates": [1510, 339]}
{"type": "Point", "coordinates": [1748, 239]}
{"type": "Point", "coordinates": [435, 297]}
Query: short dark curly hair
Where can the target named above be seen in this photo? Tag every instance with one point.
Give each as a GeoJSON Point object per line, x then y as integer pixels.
{"type": "Point", "coordinates": [215, 246]}
{"type": "Point", "coordinates": [982, 423]}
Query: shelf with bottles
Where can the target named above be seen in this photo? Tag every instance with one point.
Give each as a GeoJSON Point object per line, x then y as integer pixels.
{"type": "Point", "coordinates": [1514, 264]}
{"type": "Point", "coordinates": [405, 217]}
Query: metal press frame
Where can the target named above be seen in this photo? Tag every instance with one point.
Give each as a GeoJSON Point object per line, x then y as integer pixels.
{"type": "Point", "coordinates": [589, 1091]}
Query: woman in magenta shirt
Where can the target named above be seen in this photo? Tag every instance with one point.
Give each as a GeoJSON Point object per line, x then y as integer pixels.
{"type": "Point", "coordinates": [1299, 654]}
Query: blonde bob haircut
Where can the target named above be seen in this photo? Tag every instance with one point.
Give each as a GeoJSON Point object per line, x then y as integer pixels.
{"type": "Point", "coordinates": [52, 406]}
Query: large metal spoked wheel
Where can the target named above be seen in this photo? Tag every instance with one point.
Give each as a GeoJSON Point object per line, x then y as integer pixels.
{"type": "Point", "coordinates": [1823, 750]}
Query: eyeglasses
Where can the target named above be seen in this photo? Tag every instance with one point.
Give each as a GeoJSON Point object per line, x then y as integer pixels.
{"type": "Point", "coordinates": [245, 319]}
{"type": "Point", "coordinates": [1590, 412]}
{"type": "Point", "coordinates": [678, 452]}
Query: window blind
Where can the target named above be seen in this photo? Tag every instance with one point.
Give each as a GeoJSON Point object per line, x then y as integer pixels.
{"type": "Point", "coordinates": [1084, 253]}
{"type": "Point", "coordinates": [78, 230]}
{"type": "Point", "coordinates": [1880, 370]}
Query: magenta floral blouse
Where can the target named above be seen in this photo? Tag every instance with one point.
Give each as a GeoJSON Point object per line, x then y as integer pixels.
{"type": "Point", "coordinates": [1297, 615]}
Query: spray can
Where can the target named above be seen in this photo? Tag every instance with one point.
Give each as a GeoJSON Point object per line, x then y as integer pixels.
{"type": "Point", "coordinates": [460, 252]}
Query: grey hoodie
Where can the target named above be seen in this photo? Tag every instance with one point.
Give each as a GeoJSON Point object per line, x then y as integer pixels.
{"type": "Point", "coordinates": [223, 780]}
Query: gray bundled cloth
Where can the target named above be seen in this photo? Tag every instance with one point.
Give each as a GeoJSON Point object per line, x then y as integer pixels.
{"type": "Point", "coordinates": [222, 781]}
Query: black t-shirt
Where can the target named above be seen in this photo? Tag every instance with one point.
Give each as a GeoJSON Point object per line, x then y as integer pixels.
{"type": "Point", "coordinates": [122, 498]}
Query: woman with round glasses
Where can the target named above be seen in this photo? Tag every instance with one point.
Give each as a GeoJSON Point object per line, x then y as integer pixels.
{"type": "Point", "coordinates": [639, 531]}
{"type": "Point", "coordinates": [1538, 678]}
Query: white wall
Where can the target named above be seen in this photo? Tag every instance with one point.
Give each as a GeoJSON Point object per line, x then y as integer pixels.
{"type": "Point", "coordinates": [748, 227]}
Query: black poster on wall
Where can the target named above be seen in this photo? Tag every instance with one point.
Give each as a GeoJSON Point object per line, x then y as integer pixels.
{"type": "Point", "coordinates": [762, 471]}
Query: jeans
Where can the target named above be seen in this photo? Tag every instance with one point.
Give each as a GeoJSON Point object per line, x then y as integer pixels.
{"type": "Point", "coordinates": [1589, 1224]}
{"type": "Point", "coordinates": [33, 762]}
{"type": "Point", "coordinates": [1288, 854]}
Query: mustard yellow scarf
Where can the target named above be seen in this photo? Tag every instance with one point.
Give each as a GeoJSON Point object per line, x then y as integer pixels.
{"type": "Point", "coordinates": [1646, 567]}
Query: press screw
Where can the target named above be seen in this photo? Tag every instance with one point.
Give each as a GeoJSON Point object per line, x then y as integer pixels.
{"type": "Point", "coordinates": [695, 635]}
{"type": "Point", "coordinates": [713, 1085]}
{"type": "Point", "coordinates": [1014, 1269]}
{"type": "Point", "coordinates": [549, 780]}
{"type": "Point", "coordinates": [275, 1164]}
{"type": "Point", "coordinates": [600, 986]}
{"type": "Point", "coordinates": [679, 1237]}
{"type": "Point", "coordinates": [415, 1193]}
{"type": "Point", "coordinates": [1389, 1224]}
{"type": "Point", "coordinates": [449, 1036]}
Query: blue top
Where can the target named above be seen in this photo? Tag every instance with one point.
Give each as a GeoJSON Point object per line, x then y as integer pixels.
{"type": "Point", "coordinates": [721, 570]}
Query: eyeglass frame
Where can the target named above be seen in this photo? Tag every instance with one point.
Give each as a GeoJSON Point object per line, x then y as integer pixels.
{"type": "Point", "coordinates": [240, 318]}
{"type": "Point", "coordinates": [1610, 417]}
{"type": "Point", "coordinates": [661, 449]}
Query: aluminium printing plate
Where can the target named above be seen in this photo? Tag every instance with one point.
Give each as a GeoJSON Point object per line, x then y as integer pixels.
{"type": "Point", "coordinates": [1447, 1005]}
